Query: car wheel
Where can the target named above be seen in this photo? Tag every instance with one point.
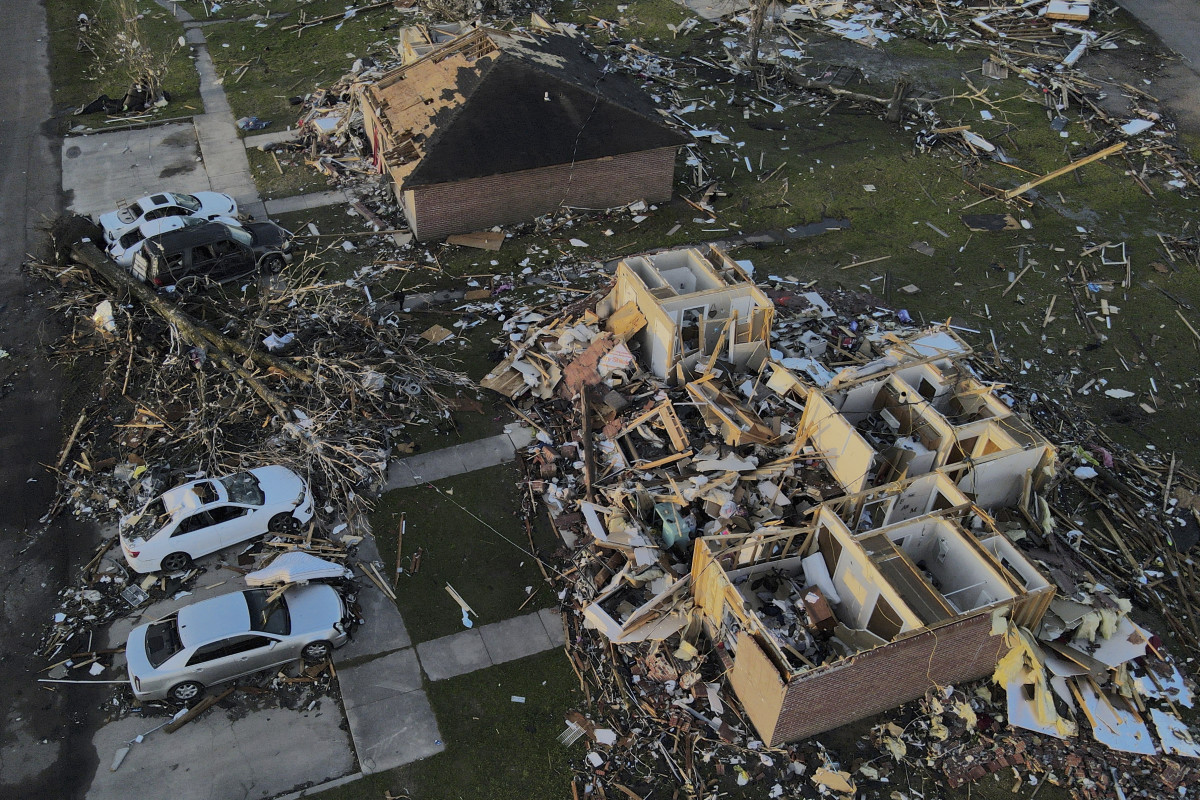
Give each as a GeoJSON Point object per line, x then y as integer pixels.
{"type": "Point", "coordinates": [315, 652]}
{"type": "Point", "coordinates": [273, 264]}
{"type": "Point", "coordinates": [283, 523]}
{"type": "Point", "coordinates": [175, 562]}
{"type": "Point", "coordinates": [186, 692]}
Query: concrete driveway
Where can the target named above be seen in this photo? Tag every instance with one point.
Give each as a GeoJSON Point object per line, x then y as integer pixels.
{"type": "Point", "coordinates": [249, 751]}
{"type": "Point", "coordinates": [262, 754]}
{"type": "Point", "coordinates": [101, 168]}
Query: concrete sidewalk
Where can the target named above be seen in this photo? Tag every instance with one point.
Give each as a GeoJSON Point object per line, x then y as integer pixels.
{"type": "Point", "coordinates": [222, 150]}
{"type": "Point", "coordinates": [466, 457]}
{"type": "Point", "coordinates": [486, 646]}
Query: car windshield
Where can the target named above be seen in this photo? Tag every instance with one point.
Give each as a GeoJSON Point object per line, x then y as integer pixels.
{"type": "Point", "coordinates": [135, 210]}
{"type": "Point", "coordinates": [162, 641]}
{"type": "Point", "coordinates": [244, 488]}
{"type": "Point", "coordinates": [242, 235]}
{"type": "Point", "coordinates": [131, 238]}
{"type": "Point", "coordinates": [187, 201]}
{"type": "Point", "coordinates": [268, 617]}
{"type": "Point", "coordinates": [153, 517]}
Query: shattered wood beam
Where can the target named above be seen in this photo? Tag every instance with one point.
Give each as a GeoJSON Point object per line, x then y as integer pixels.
{"type": "Point", "coordinates": [908, 103]}
{"type": "Point", "coordinates": [589, 468]}
{"type": "Point", "coordinates": [1074, 165]}
{"type": "Point", "coordinates": [90, 256]}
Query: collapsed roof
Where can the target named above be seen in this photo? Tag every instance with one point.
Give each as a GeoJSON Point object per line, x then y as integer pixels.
{"type": "Point", "coordinates": [490, 102]}
{"type": "Point", "coordinates": [846, 538]}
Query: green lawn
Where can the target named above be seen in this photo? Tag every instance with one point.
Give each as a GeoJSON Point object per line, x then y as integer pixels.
{"type": "Point", "coordinates": [471, 537]}
{"type": "Point", "coordinates": [495, 748]}
{"type": "Point", "coordinates": [285, 175]}
{"type": "Point", "coordinates": [79, 76]}
{"type": "Point", "coordinates": [265, 66]}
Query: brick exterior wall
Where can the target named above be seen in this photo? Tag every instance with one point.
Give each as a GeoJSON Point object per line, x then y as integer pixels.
{"type": "Point", "coordinates": [437, 211]}
{"type": "Point", "coordinates": [886, 677]}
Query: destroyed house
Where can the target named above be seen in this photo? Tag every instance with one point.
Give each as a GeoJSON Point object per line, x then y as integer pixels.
{"type": "Point", "coordinates": [823, 626]}
{"type": "Point", "coordinates": [497, 127]}
{"type": "Point", "coordinates": [690, 307]}
{"type": "Point", "coordinates": [903, 582]}
{"type": "Point", "coordinates": [917, 409]}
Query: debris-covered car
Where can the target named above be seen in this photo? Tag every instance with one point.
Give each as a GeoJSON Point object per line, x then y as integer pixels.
{"type": "Point", "coordinates": [213, 253]}
{"type": "Point", "coordinates": [130, 243]}
{"type": "Point", "coordinates": [224, 638]}
{"type": "Point", "coordinates": [131, 214]}
{"type": "Point", "coordinates": [203, 516]}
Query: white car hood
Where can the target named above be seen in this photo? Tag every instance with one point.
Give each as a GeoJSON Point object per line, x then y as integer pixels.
{"type": "Point", "coordinates": [296, 567]}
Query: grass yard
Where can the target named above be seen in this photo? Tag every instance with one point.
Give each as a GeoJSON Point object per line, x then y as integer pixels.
{"type": "Point", "coordinates": [284, 175]}
{"type": "Point", "coordinates": [472, 538]}
{"type": "Point", "coordinates": [495, 748]}
{"type": "Point", "coordinates": [264, 64]}
{"type": "Point", "coordinates": [75, 71]}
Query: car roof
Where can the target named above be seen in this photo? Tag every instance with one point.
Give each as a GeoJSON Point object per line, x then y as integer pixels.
{"type": "Point", "coordinates": [152, 201]}
{"type": "Point", "coordinates": [185, 498]}
{"type": "Point", "coordinates": [157, 227]}
{"type": "Point", "coordinates": [215, 618]}
{"type": "Point", "coordinates": [192, 236]}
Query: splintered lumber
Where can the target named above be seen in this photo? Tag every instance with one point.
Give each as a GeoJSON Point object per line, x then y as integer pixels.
{"type": "Point", "coordinates": [90, 255]}
{"type": "Point", "coordinates": [868, 261]}
{"type": "Point", "coordinates": [458, 599]}
{"type": "Point", "coordinates": [399, 549]}
{"type": "Point", "coordinates": [1074, 165]}
{"type": "Point", "coordinates": [198, 709]}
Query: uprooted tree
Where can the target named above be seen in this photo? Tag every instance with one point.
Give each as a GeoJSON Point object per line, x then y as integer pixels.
{"type": "Point", "coordinates": [124, 54]}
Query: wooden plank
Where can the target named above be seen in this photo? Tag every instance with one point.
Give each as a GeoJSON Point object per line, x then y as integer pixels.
{"type": "Point", "coordinates": [198, 709]}
{"type": "Point", "coordinates": [1058, 173]}
{"type": "Point", "coordinates": [483, 240]}
{"type": "Point", "coordinates": [626, 321]}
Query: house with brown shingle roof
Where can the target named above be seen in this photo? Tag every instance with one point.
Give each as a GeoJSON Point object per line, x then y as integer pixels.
{"type": "Point", "coordinates": [498, 127]}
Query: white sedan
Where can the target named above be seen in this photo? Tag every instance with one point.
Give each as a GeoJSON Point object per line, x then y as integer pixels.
{"type": "Point", "coordinates": [131, 214]}
{"type": "Point", "coordinates": [204, 516]}
{"type": "Point", "coordinates": [130, 243]}
{"type": "Point", "coordinates": [223, 638]}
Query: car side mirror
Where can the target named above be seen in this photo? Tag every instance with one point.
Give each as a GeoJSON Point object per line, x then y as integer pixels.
{"type": "Point", "coordinates": [273, 644]}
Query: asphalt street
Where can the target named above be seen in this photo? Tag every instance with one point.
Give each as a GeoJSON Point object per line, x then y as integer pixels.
{"type": "Point", "coordinates": [45, 741]}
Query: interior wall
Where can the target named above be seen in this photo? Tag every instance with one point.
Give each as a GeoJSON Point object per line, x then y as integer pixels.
{"type": "Point", "coordinates": [936, 547]}
{"type": "Point", "coordinates": [1015, 561]}
{"type": "Point", "coordinates": [998, 482]}
{"type": "Point", "coordinates": [859, 402]}
{"type": "Point", "coordinates": [847, 454]}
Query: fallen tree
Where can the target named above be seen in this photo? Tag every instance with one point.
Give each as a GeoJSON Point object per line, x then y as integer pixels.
{"type": "Point", "coordinates": [218, 347]}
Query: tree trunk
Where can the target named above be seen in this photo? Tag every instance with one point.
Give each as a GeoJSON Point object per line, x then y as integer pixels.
{"type": "Point", "coordinates": [208, 340]}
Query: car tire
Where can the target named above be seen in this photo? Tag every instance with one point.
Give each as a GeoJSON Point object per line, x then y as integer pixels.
{"type": "Point", "coordinates": [316, 652]}
{"type": "Point", "coordinates": [175, 562]}
{"type": "Point", "coordinates": [273, 264]}
{"type": "Point", "coordinates": [186, 692]}
{"type": "Point", "coordinates": [283, 523]}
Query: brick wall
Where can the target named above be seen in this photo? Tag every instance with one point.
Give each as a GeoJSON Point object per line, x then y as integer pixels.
{"type": "Point", "coordinates": [472, 205]}
{"type": "Point", "coordinates": [886, 677]}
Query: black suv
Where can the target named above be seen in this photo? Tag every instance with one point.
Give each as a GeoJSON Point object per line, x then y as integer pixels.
{"type": "Point", "coordinates": [212, 253]}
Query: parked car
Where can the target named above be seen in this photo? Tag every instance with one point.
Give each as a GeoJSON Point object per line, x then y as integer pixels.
{"type": "Point", "coordinates": [224, 638]}
{"type": "Point", "coordinates": [204, 516]}
{"type": "Point", "coordinates": [212, 253]}
{"type": "Point", "coordinates": [125, 248]}
{"type": "Point", "coordinates": [132, 214]}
